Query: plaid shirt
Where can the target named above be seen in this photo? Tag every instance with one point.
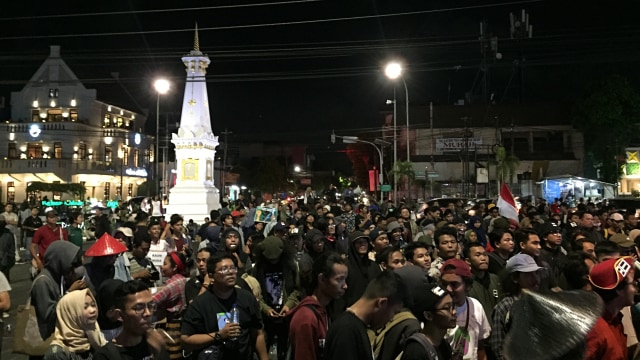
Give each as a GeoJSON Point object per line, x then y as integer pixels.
{"type": "Point", "coordinates": [171, 297]}
{"type": "Point", "coordinates": [499, 321]}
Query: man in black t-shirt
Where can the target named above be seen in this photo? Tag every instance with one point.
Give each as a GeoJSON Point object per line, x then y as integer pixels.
{"type": "Point", "coordinates": [137, 340]}
{"type": "Point", "coordinates": [207, 322]}
{"type": "Point", "coordinates": [347, 337]}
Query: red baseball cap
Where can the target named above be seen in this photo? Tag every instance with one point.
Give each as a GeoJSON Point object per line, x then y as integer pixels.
{"type": "Point", "coordinates": [460, 268]}
{"type": "Point", "coordinates": [610, 273]}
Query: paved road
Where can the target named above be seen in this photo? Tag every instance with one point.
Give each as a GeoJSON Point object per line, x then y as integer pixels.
{"type": "Point", "coordinates": [20, 286]}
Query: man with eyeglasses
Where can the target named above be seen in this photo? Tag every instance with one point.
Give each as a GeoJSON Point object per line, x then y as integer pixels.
{"type": "Point", "coordinates": [207, 323]}
{"type": "Point", "coordinates": [468, 337]}
{"type": "Point", "coordinates": [614, 281]}
{"type": "Point", "coordinates": [134, 307]}
{"type": "Point", "coordinates": [434, 307]}
{"type": "Point", "coordinates": [552, 251]}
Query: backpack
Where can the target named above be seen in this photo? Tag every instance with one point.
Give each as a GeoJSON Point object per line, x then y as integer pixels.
{"type": "Point", "coordinates": [377, 339]}
{"type": "Point", "coordinates": [289, 355]}
{"type": "Point", "coordinates": [420, 338]}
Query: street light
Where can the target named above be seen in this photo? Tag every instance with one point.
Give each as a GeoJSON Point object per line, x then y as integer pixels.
{"type": "Point", "coordinates": [393, 71]}
{"type": "Point", "coordinates": [162, 87]}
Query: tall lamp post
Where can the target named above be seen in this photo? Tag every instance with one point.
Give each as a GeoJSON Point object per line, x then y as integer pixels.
{"type": "Point", "coordinates": [394, 70]}
{"type": "Point", "coordinates": [162, 87]}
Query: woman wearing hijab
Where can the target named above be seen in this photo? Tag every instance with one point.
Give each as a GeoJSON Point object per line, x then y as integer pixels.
{"type": "Point", "coordinates": [77, 333]}
{"type": "Point", "coordinates": [475, 224]}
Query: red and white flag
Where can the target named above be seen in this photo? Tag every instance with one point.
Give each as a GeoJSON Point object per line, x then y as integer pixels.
{"type": "Point", "coordinates": [507, 204]}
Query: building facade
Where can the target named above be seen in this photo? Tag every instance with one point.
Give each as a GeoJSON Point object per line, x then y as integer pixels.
{"type": "Point", "coordinates": [454, 148]}
{"type": "Point", "coordinates": [60, 133]}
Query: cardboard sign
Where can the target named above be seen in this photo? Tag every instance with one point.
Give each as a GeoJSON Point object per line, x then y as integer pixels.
{"type": "Point", "coordinates": [157, 258]}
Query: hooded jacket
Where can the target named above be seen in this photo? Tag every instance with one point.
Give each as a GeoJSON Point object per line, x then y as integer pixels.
{"type": "Point", "coordinates": [48, 287]}
{"type": "Point", "coordinates": [308, 324]}
{"type": "Point", "coordinates": [361, 271]}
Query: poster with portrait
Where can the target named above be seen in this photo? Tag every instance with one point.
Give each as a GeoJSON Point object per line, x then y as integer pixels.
{"type": "Point", "coordinates": [265, 214]}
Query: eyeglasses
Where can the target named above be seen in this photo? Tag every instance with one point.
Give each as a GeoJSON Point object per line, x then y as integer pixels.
{"type": "Point", "coordinates": [139, 308]}
{"type": "Point", "coordinates": [227, 270]}
{"type": "Point", "coordinates": [449, 307]}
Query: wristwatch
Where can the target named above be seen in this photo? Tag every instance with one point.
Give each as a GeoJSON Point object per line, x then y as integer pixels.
{"type": "Point", "coordinates": [218, 338]}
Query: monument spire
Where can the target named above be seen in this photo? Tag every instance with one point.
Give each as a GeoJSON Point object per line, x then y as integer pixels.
{"type": "Point", "coordinates": [194, 194]}
{"type": "Point", "coordinates": [196, 41]}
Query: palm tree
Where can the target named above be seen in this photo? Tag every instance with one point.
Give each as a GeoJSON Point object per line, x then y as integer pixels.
{"type": "Point", "coordinates": [506, 165]}
{"type": "Point", "coordinates": [404, 170]}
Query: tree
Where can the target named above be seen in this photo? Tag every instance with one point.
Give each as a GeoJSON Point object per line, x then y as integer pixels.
{"type": "Point", "coordinates": [76, 189]}
{"type": "Point", "coordinates": [607, 116]}
{"type": "Point", "coordinates": [505, 164]}
{"type": "Point", "coordinates": [404, 171]}
{"type": "Point", "coordinates": [271, 176]}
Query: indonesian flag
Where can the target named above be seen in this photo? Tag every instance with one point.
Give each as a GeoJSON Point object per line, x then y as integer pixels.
{"type": "Point", "coordinates": [507, 204]}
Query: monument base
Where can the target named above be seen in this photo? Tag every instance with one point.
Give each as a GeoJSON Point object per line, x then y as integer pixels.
{"type": "Point", "coordinates": [192, 202]}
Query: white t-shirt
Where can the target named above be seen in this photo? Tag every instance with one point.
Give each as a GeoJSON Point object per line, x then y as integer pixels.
{"type": "Point", "coordinates": [161, 245]}
{"type": "Point", "coordinates": [11, 216]}
{"type": "Point", "coordinates": [478, 329]}
{"type": "Point", "coordinates": [4, 283]}
{"type": "Point", "coordinates": [157, 208]}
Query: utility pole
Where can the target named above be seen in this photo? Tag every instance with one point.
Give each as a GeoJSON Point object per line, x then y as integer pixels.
{"type": "Point", "coordinates": [520, 29]}
{"type": "Point", "coordinates": [226, 132]}
{"type": "Point", "coordinates": [488, 46]}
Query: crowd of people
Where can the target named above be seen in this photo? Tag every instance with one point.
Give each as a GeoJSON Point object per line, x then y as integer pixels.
{"type": "Point", "coordinates": [328, 279]}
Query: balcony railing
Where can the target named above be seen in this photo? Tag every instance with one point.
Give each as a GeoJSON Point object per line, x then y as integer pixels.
{"type": "Point", "coordinates": [62, 168]}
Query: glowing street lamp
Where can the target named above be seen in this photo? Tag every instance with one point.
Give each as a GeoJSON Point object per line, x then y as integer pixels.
{"type": "Point", "coordinates": [393, 71]}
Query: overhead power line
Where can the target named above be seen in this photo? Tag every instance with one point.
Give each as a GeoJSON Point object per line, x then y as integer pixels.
{"type": "Point", "coordinates": [285, 23]}
{"type": "Point", "coordinates": [110, 13]}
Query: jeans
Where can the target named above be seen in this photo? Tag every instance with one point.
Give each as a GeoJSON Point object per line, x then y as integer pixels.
{"type": "Point", "coordinates": [27, 245]}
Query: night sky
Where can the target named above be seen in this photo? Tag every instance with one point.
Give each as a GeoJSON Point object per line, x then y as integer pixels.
{"type": "Point", "coordinates": [296, 68]}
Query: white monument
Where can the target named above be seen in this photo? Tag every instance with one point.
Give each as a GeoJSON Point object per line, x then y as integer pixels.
{"type": "Point", "coordinates": [194, 194]}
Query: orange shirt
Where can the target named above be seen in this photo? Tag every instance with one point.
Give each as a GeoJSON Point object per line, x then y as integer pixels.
{"type": "Point", "coordinates": [607, 339]}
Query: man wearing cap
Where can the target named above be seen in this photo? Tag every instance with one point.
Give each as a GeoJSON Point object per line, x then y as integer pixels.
{"type": "Point", "coordinates": [613, 280]}
{"type": "Point", "coordinates": [523, 274]}
{"type": "Point", "coordinates": [468, 337]}
{"type": "Point", "coordinates": [379, 240]}
{"type": "Point", "coordinates": [395, 231]}
{"type": "Point", "coordinates": [615, 225]}
{"type": "Point", "coordinates": [529, 243]}
{"type": "Point", "coordinates": [44, 236]}
{"type": "Point", "coordinates": [552, 251]}
{"type": "Point", "coordinates": [434, 307]}
{"type": "Point", "coordinates": [626, 245]}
